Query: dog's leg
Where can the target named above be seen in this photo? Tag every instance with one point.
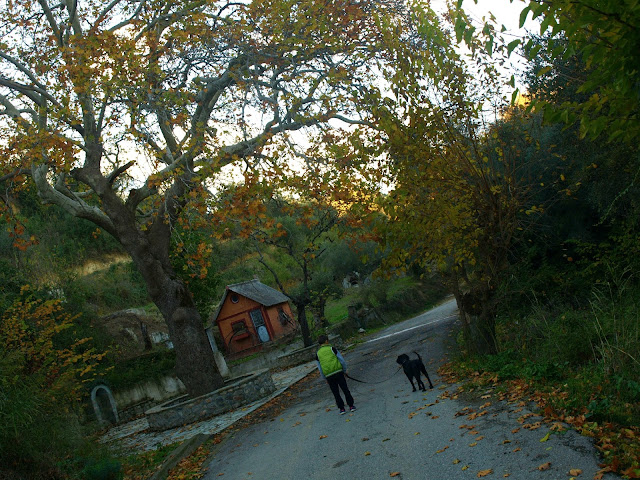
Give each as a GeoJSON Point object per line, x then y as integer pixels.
{"type": "Point", "coordinates": [424, 370]}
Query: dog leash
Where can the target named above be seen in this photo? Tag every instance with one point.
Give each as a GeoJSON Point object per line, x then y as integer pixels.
{"type": "Point", "coordinates": [362, 381]}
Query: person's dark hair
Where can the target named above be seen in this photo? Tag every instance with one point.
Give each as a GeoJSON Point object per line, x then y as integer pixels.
{"type": "Point", "coordinates": [322, 339]}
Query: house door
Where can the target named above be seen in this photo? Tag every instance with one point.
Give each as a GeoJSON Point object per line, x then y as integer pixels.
{"type": "Point", "coordinates": [258, 322]}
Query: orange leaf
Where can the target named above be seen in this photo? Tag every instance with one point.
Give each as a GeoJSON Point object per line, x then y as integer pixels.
{"type": "Point", "coordinates": [484, 473]}
{"type": "Point", "coordinates": [323, 436]}
{"type": "Point", "coordinates": [394, 474]}
{"type": "Point", "coordinates": [544, 466]}
{"type": "Point", "coordinates": [574, 472]}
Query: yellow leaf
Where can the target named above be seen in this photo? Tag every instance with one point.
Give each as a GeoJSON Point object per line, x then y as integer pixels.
{"type": "Point", "coordinates": [456, 461]}
{"type": "Point", "coordinates": [546, 437]}
{"type": "Point", "coordinates": [484, 473]}
{"type": "Point", "coordinates": [366, 454]}
{"type": "Point", "coordinates": [574, 472]}
{"type": "Point", "coordinates": [323, 436]}
{"type": "Point", "coordinates": [465, 468]}
{"type": "Point", "coordinates": [544, 466]}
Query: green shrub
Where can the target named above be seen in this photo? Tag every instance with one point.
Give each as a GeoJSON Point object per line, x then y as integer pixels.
{"type": "Point", "coordinates": [149, 366]}
{"type": "Point", "coordinates": [41, 386]}
{"type": "Point", "coordinates": [119, 287]}
{"type": "Point", "coordinates": [102, 469]}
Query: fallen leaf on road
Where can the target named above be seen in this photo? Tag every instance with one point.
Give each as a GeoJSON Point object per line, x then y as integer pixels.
{"type": "Point", "coordinates": [544, 466]}
{"type": "Point", "coordinates": [394, 474]}
{"type": "Point", "coordinates": [296, 424]}
{"type": "Point", "coordinates": [506, 475]}
{"type": "Point", "coordinates": [386, 439]}
{"type": "Point", "coordinates": [456, 461]}
{"type": "Point", "coordinates": [484, 473]}
{"type": "Point", "coordinates": [473, 444]}
{"type": "Point", "coordinates": [365, 439]}
{"type": "Point", "coordinates": [516, 449]}
{"type": "Point", "coordinates": [442, 449]}
{"type": "Point", "coordinates": [515, 430]}
{"type": "Point", "coordinates": [479, 438]}
{"type": "Point", "coordinates": [465, 467]}
{"type": "Point", "coordinates": [504, 442]}
{"type": "Point", "coordinates": [323, 436]}
{"type": "Point", "coordinates": [546, 437]}
{"type": "Point", "coordinates": [417, 433]}
{"type": "Point", "coordinates": [366, 454]}
{"type": "Point", "coordinates": [435, 416]}
{"type": "Point", "coordinates": [574, 472]}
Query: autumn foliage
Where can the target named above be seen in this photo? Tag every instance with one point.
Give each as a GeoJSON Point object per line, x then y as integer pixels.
{"type": "Point", "coordinates": [43, 377]}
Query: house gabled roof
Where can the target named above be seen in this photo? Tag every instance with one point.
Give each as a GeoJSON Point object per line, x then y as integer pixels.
{"type": "Point", "coordinates": [254, 290]}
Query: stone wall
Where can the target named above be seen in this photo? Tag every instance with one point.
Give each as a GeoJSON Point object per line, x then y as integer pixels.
{"type": "Point", "coordinates": [238, 393]}
{"type": "Point", "coordinates": [136, 410]}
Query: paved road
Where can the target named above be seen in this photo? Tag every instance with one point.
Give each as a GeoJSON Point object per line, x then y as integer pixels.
{"type": "Point", "coordinates": [397, 433]}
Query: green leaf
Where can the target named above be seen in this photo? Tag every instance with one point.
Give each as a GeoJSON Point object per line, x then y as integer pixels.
{"type": "Point", "coordinates": [514, 96]}
{"type": "Point", "coordinates": [523, 15]}
{"type": "Point", "coordinates": [512, 45]}
{"type": "Point", "coordinates": [459, 28]}
{"type": "Point", "coordinates": [543, 70]}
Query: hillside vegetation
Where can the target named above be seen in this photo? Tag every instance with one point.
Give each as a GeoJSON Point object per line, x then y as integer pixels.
{"type": "Point", "coordinates": [528, 215]}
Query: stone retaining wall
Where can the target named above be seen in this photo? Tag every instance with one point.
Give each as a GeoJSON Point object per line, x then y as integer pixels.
{"type": "Point", "coordinates": [134, 411]}
{"type": "Point", "coordinates": [183, 410]}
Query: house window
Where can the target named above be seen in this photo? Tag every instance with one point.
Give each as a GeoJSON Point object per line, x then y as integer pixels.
{"type": "Point", "coordinates": [234, 298]}
{"type": "Point", "coordinates": [239, 327]}
{"type": "Point", "coordinates": [284, 318]}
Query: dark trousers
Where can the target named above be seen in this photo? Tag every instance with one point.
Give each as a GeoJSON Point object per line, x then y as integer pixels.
{"type": "Point", "coordinates": [336, 381]}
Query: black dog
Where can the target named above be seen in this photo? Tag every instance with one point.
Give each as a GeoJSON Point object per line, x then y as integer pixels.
{"type": "Point", "coordinates": [412, 369]}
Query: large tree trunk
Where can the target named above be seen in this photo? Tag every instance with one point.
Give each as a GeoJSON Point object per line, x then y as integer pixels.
{"type": "Point", "coordinates": [304, 326]}
{"type": "Point", "coordinates": [195, 362]}
{"type": "Point", "coordinates": [477, 312]}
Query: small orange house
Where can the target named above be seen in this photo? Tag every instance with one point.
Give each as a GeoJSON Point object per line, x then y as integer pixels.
{"type": "Point", "coordinates": [252, 314]}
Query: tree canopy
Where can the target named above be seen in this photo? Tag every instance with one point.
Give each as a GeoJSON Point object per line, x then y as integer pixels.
{"type": "Point", "coordinates": [122, 112]}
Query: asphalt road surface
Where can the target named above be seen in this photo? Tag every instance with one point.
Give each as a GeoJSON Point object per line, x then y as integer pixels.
{"type": "Point", "coordinates": [397, 433]}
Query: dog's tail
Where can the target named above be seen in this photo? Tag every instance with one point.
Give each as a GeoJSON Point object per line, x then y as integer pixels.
{"type": "Point", "coordinates": [419, 358]}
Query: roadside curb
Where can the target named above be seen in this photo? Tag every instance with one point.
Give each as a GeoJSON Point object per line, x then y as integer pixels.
{"type": "Point", "coordinates": [181, 452]}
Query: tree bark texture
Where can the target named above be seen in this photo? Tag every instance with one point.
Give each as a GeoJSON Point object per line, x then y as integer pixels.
{"type": "Point", "coordinates": [304, 326]}
{"type": "Point", "coordinates": [195, 362]}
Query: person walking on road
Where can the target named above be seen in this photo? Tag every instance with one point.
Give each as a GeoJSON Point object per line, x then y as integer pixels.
{"type": "Point", "coordinates": [332, 367]}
